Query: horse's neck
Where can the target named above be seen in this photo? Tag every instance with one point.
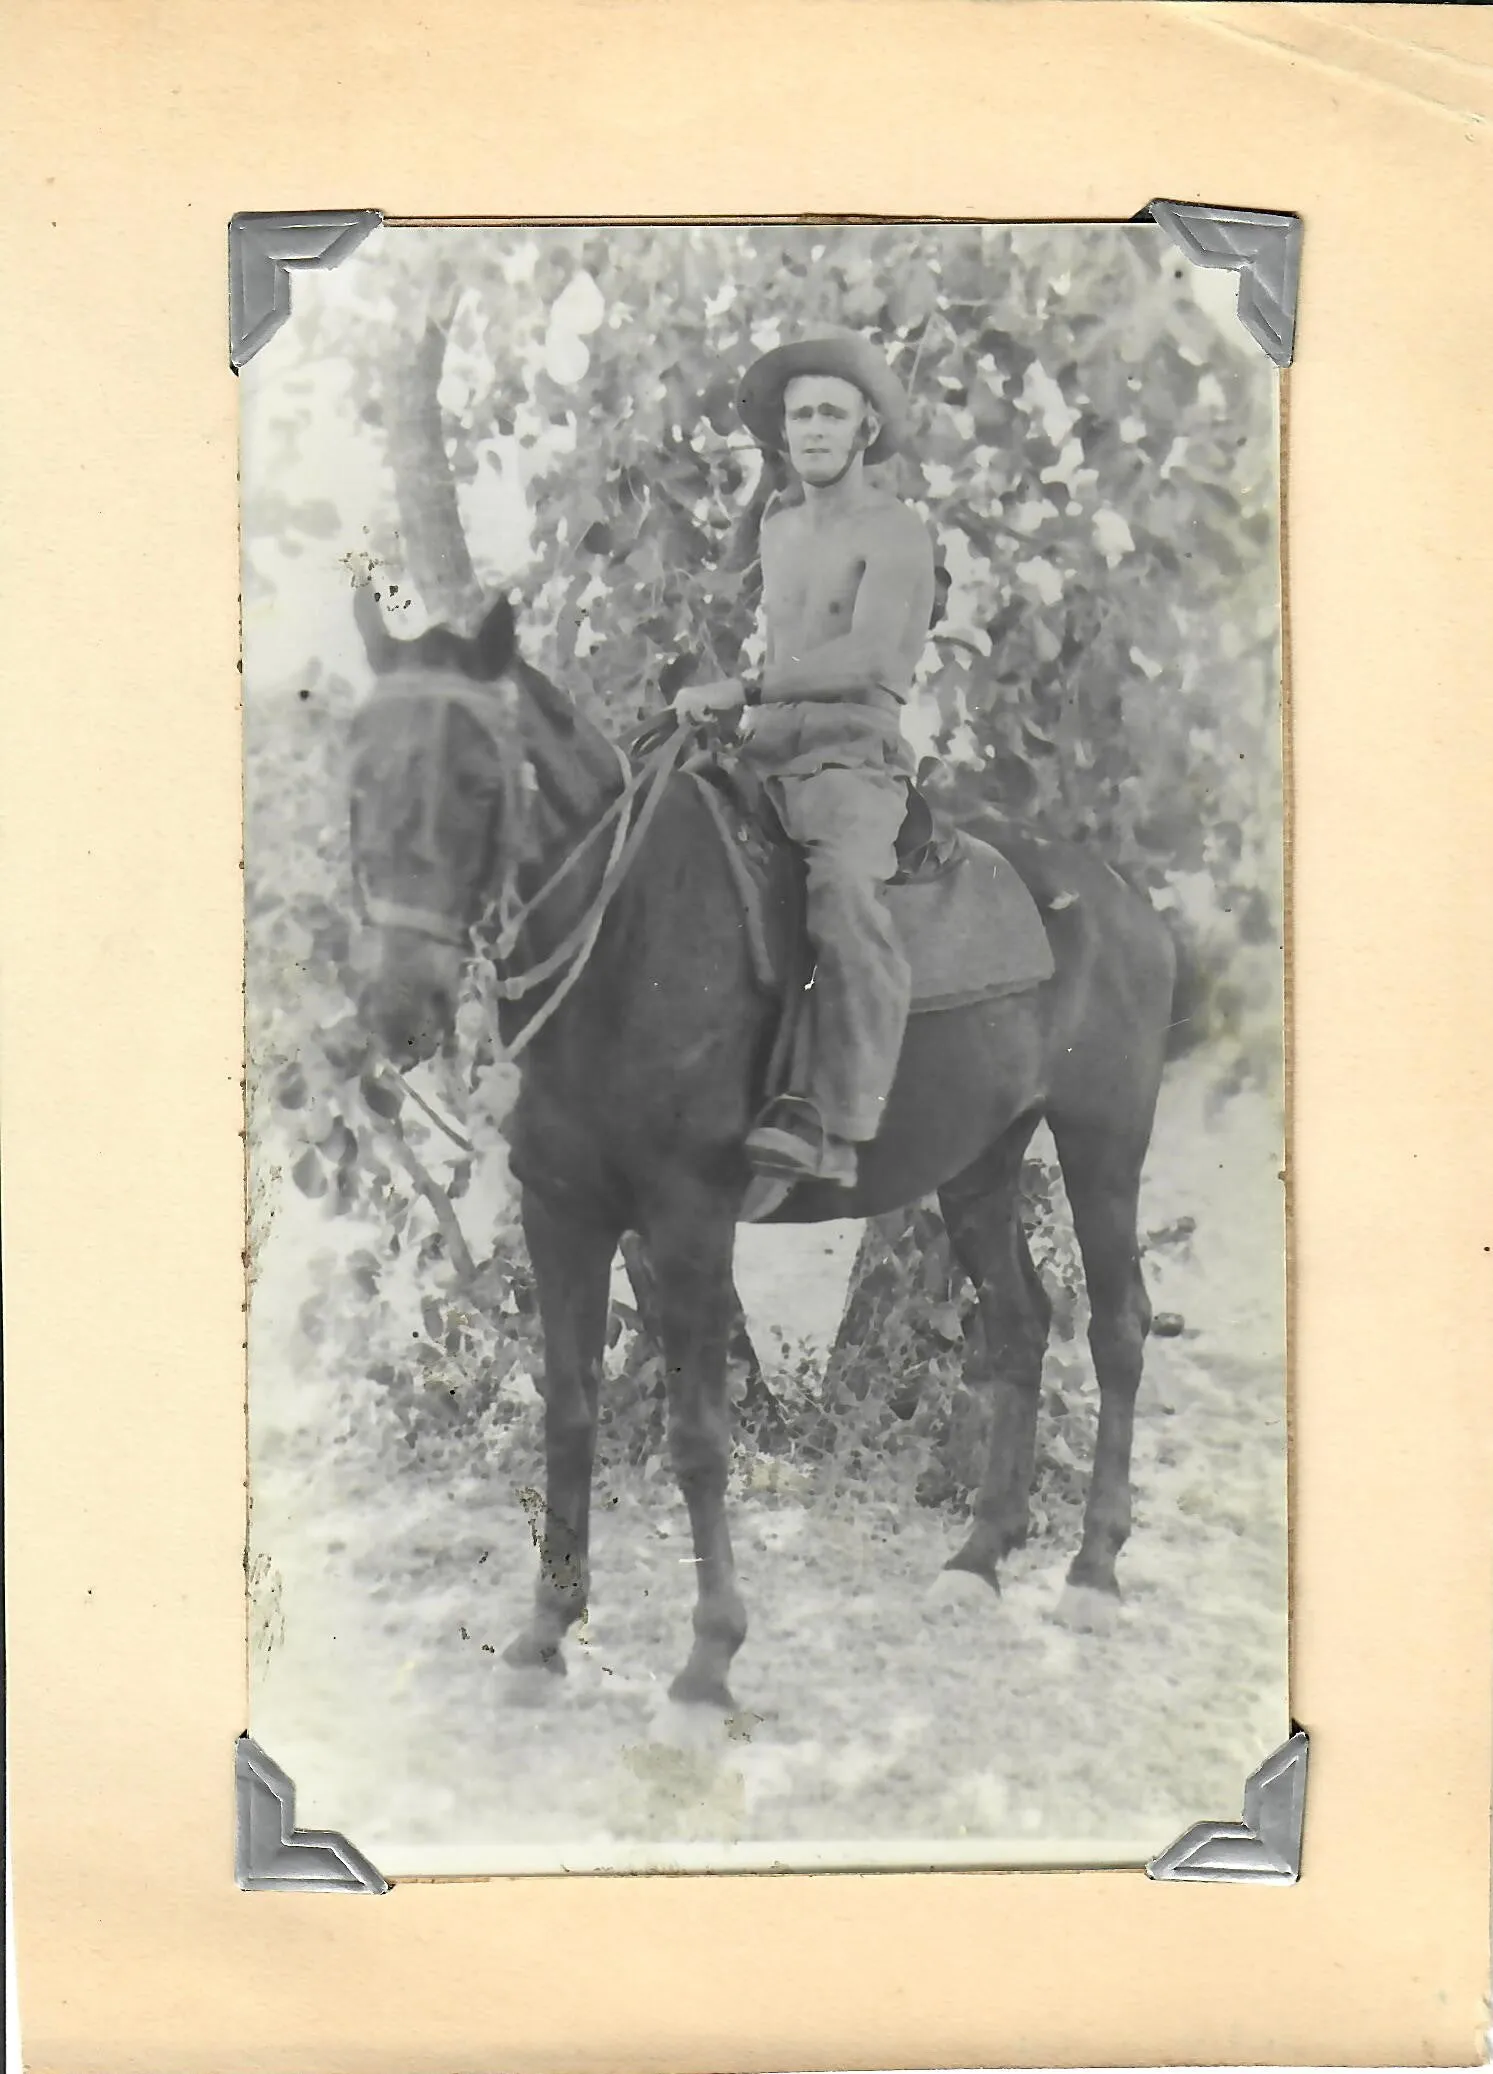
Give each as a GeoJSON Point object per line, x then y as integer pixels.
{"type": "Point", "coordinates": [571, 775]}
{"type": "Point", "coordinates": [674, 907]}
{"type": "Point", "coordinates": [572, 766]}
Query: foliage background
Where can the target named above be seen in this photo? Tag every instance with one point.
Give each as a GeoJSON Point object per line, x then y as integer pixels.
{"type": "Point", "coordinates": [1096, 450]}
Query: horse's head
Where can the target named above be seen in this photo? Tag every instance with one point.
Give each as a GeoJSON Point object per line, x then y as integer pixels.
{"type": "Point", "coordinates": [437, 783]}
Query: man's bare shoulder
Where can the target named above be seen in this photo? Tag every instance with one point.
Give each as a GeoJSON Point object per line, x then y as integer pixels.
{"type": "Point", "coordinates": [882, 514]}
{"type": "Point", "coordinates": [893, 524]}
{"type": "Point", "coordinates": [781, 522]}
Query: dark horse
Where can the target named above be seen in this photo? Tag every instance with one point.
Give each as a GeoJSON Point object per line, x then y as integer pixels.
{"type": "Point", "coordinates": [473, 781]}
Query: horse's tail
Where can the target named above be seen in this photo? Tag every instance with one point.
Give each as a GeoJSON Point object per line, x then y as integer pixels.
{"type": "Point", "coordinates": [1189, 990]}
{"type": "Point", "coordinates": [1186, 1027]}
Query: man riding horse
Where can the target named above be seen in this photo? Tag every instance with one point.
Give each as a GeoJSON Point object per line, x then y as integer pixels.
{"type": "Point", "coordinates": [637, 1083]}
{"type": "Point", "coordinates": [847, 600]}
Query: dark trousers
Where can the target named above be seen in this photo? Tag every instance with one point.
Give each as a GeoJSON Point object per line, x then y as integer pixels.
{"type": "Point", "coordinates": [846, 823]}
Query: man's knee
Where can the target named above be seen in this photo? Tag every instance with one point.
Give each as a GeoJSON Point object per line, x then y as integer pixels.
{"type": "Point", "coordinates": [841, 893]}
{"type": "Point", "coordinates": [854, 858]}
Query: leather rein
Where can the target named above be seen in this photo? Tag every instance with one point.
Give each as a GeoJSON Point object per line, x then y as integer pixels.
{"type": "Point", "coordinates": [566, 962]}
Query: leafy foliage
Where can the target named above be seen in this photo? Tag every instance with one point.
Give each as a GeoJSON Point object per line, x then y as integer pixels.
{"type": "Point", "coordinates": [1095, 452]}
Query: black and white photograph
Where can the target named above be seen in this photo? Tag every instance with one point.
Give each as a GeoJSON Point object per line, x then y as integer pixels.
{"type": "Point", "coordinates": [765, 909]}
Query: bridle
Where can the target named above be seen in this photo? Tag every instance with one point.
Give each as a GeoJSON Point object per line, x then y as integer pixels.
{"type": "Point", "coordinates": [478, 706]}
{"type": "Point", "coordinates": [568, 959]}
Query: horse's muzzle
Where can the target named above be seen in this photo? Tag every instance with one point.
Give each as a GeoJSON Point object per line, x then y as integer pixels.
{"type": "Point", "coordinates": [407, 1000]}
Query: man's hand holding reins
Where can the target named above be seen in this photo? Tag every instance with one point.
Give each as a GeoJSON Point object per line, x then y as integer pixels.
{"type": "Point", "coordinates": [699, 702]}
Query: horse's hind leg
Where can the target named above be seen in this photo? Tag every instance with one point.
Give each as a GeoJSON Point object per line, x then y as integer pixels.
{"type": "Point", "coordinates": [690, 1243]}
{"type": "Point", "coordinates": [982, 1209]}
{"type": "Point", "coordinates": [572, 1263]}
{"type": "Point", "coordinates": [1101, 1171]}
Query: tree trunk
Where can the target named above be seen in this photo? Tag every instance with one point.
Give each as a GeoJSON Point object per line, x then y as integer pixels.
{"type": "Point", "coordinates": [435, 547]}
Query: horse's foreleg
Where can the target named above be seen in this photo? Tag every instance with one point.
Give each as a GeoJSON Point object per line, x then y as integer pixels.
{"type": "Point", "coordinates": [983, 1213]}
{"type": "Point", "coordinates": [1102, 1175]}
{"type": "Point", "coordinates": [690, 1248]}
{"type": "Point", "coordinates": [572, 1262]}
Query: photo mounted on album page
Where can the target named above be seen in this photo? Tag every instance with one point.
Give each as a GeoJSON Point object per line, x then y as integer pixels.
{"type": "Point", "coordinates": [765, 895]}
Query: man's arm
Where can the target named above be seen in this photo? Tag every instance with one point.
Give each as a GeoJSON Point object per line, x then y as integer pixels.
{"type": "Point", "coordinates": [893, 603]}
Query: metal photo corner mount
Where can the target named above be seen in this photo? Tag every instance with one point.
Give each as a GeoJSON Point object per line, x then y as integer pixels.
{"type": "Point", "coordinates": [1262, 246]}
{"type": "Point", "coordinates": [272, 1856]}
{"type": "Point", "coordinates": [263, 245]}
{"type": "Point", "coordinates": [1263, 1850]}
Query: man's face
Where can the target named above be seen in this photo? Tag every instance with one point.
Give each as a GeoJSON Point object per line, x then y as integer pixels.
{"type": "Point", "coordinates": [827, 422]}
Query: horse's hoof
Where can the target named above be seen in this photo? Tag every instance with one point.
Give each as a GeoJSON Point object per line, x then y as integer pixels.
{"type": "Point", "coordinates": [1090, 1611]}
{"type": "Point", "coordinates": [960, 1595]}
{"type": "Point", "coordinates": [966, 1565]}
{"type": "Point", "coordinates": [526, 1652]}
{"type": "Point", "coordinates": [702, 1689]}
{"type": "Point", "coordinates": [698, 1732]}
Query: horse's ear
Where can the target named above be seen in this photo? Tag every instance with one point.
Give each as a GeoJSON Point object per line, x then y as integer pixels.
{"type": "Point", "coordinates": [379, 645]}
{"type": "Point", "coordinates": [494, 643]}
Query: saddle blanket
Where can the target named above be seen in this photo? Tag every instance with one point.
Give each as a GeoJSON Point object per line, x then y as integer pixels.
{"type": "Point", "coordinates": [969, 927]}
{"type": "Point", "coordinates": [971, 932]}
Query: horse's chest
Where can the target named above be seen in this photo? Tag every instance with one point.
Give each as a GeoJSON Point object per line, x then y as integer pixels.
{"type": "Point", "coordinates": [555, 1144]}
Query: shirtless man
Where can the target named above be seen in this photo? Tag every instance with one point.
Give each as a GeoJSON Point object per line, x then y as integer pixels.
{"type": "Point", "coordinates": [847, 599]}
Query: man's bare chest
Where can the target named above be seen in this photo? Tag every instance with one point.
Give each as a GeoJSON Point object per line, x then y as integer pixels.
{"type": "Point", "coordinates": [810, 583]}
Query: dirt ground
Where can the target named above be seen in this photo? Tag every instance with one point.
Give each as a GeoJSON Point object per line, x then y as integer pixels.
{"type": "Point", "coordinates": [890, 1712]}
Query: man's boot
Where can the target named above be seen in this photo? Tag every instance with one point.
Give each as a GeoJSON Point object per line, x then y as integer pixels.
{"type": "Point", "coordinates": [792, 1142]}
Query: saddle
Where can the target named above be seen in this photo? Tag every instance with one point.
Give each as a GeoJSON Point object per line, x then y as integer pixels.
{"type": "Point", "coordinates": [969, 927]}
{"type": "Point", "coordinates": [925, 847]}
